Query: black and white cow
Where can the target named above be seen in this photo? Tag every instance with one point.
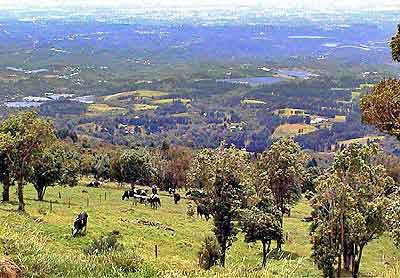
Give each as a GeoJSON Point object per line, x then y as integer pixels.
{"type": "Point", "coordinates": [80, 224]}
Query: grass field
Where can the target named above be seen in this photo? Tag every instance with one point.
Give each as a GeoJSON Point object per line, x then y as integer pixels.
{"type": "Point", "coordinates": [292, 130]}
{"type": "Point", "coordinates": [139, 93]}
{"type": "Point", "coordinates": [252, 101]}
{"type": "Point", "coordinates": [144, 107]}
{"type": "Point", "coordinates": [362, 140]}
{"type": "Point", "coordinates": [105, 108]}
{"type": "Point", "coordinates": [170, 100]}
{"type": "Point", "coordinates": [42, 245]}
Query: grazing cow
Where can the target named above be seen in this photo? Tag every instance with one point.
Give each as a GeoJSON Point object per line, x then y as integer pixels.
{"type": "Point", "coordinates": [171, 190]}
{"type": "Point", "coordinates": [155, 201]}
{"type": "Point", "coordinates": [203, 210]}
{"type": "Point", "coordinates": [80, 224]}
{"type": "Point", "coordinates": [177, 198]}
{"type": "Point", "coordinates": [95, 184]}
{"type": "Point", "coordinates": [195, 194]}
{"type": "Point", "coordinates": [128, 194]}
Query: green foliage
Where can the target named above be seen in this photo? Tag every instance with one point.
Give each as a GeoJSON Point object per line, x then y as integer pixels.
{"type": "Point", "coordinates": [46, 168]}
{"type": "Point", "coordinates": [190, 210]}
{"type": "Point", "coordinates": [224, 199]}
{"type": "Point", "coordinates": [22, 136]}
{"type": "Point", "coordinates": [136, 165]}
{"type": "Point", "coordinates": [209, 253]}
{"type": "Point", "coordinates": [261, 223]}
{"type": "Point", "coordinates": [105, 244]}
{"type": "Point", "coordinates": [205, 164]}
{"type": "Point", "coordinates": [282, 172]}
{"type": "Point", "coordinates": [381, 107]}
{"type": "Point", "coordinates": [393, 217]}
{"type": "Point", "coordinates": [395, 46]}
{"type": "Point", "coordinates": [350, 207]}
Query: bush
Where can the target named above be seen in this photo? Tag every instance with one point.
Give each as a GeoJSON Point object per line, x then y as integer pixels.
{"type": "Point", "coordinates": [190, 210]}
{"type": "Point", "coordinates": [104, 245]}
{"type": "Point", "coordinates": [209, 253]}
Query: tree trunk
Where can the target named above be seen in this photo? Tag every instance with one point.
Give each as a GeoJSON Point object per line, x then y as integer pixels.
{"type": "Point", "coordinates": [279, 241]}
{"type": "Point", "coordinates": [265, 252]}
{"type": "Point", "coordinates": [40, 193]}
{"type": "Point", "coordinates": [223, 253]}
{"type": "Point", "coordinates": [357, 262]}
{"type": "Point", "coordinates": [20, 194]}
{"type": "Point", "coordinates": [341, 245]}
{"type": "Point", "coordinates": [6, 189]}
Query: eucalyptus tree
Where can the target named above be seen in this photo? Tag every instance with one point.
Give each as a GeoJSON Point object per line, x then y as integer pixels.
{"type": "Point", "coordinates": [281, 171]}
{"type": "Point", "coordinates": [23, 135]}
{"type": "Point", "coordinates": [349, 209]}
{"type": "Point", "coordinates": [261, 223]}
{"type": "Point", "coordinates": [226, 177]}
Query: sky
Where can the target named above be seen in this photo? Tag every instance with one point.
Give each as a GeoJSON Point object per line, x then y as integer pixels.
{"type": "Point", "coordinates": [265, 4]}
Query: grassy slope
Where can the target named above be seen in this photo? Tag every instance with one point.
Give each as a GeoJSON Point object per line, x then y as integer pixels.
{"type": "Point", "coordinates": [292, 130]}
{"type": "Point", "coordinates": [177, 250]}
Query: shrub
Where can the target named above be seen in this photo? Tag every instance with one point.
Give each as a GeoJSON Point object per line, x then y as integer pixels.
{"type": "Point", "coordinates": [209, 253]}
{"type": "Point", "coordinates": [190, 210]}
{"type": "Point", "coordinates": [104, 245]}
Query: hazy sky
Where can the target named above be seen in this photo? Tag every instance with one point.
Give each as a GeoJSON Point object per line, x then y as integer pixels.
{"type": "Point", "coordinates": [270, 4]}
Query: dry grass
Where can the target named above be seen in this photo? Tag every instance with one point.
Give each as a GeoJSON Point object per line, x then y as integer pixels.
{"type": "Point", "coordinates": [362, 140]}
{"type": "Point", "coordinates": [292, 130]}
{"type": "Point", "coordinates": [139, 93]}
{"type": "Point", "coordinates": [171, 100]}
{"type": "Point", "coordinates": [252, 101]}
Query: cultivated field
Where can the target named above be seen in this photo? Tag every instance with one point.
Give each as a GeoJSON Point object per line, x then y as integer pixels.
{"type": "Point", "coordinates": [139, 93]}
{"type": "Point", "coordinates": [40, 241]}
{"type": "Point", "coordinates": [292, 130]}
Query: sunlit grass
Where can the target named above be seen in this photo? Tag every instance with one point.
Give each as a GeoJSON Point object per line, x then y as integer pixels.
{"type": "Point", "coordinates": [44, 233]}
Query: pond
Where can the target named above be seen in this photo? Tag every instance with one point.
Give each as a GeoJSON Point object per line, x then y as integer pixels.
{"type": "Point", "coordinates": [254, 81]}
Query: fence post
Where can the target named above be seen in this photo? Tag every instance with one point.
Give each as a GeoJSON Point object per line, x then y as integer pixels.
{"type": "Point", "coordinates": [69, 202]}
{"type": "Point", "coordinates": [87, 201]}
{"type": "Point", "coordinates": [59, 195]}
{"type": "Point", "coordinates": [156, 250]}
{"type": "Point", "coordinates": [105, 196]}
{"type": "Point", "coordinates": [51, 206]}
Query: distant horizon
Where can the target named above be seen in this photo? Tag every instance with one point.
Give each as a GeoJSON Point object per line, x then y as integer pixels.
{"type": "Point", "coordinates": [310, 5]}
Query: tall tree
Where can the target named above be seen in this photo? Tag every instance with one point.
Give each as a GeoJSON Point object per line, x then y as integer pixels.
{"type": "Point", "coordinates": [350, 206]}
{"type": "Point", "coordinates": [282, 172]}
{"type": "Point", "coordinates": [46, 169]}
{"type": "Point", "coordinates": [22, 135]}
{"type": "Point", "coordinates": [136, 165]}
{"type": "Point", "coordinates": [225, 176]}
{"type": "Point", "coordinates": [225, 198]}
{"type": "Point", "coordinates": [261, 223]}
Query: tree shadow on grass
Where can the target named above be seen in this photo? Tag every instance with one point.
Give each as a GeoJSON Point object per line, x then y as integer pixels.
{"type": "Point", "coordinates": [10, 206]}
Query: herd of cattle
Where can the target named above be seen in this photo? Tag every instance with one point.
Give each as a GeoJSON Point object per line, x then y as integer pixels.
{"type": "Point", "coordinates": [143, 196]}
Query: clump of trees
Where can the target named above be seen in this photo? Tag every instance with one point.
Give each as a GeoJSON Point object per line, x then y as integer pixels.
{"type": "Point", "coordinates": [349, 209]}
{"type": "Point", "coordinates": [22, 137]}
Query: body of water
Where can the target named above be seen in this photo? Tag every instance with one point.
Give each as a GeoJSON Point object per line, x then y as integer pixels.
{"type": "Point", "coordinates": [254, 81]}
{"type": "Point", "coordinates": [297, 73]}
{"type": "Point", "coordinates": [22, 104]}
